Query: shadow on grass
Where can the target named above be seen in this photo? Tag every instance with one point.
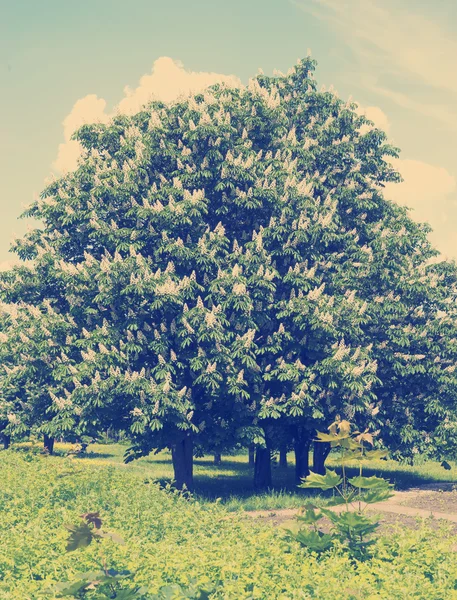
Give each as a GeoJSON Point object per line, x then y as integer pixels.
{"type": "Point", "coordinates": [95, 455]}
{"type": "Point", "coordinates": [232, 481]}
{"type": "Point", "coordinates": [401, 480]}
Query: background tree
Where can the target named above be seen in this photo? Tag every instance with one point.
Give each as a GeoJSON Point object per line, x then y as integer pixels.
{"type": "Point", "coordinates": [37, 383]}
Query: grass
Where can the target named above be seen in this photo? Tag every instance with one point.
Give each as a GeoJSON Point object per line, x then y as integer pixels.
{"type": "Point", "coordinates": [231, 482]}
{"type": "Point", "coordinates": [171, 539]}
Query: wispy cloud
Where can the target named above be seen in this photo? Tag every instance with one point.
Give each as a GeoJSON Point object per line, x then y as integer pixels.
{"type": "Point", "coordinates": [440, 112]}
{"type": "Point", "coordinates": [396, 44]}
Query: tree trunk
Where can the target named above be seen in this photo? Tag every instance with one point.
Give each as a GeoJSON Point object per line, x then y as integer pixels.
{"type": "Point", "coordinates": [251, 451]}
{"type": "Point", "coordinates": [6, 441]}
{"type": "Point", "coordinates": [183, 463]}
{"type": "Point", "coordinates": [262, 469]}
{"type": "Point", "coordinates": [320, 452]}
{"type": "Point", "coordinates": [283, 458]}
{"type": "Point", "coordinates": [48, 444]}
{"type": "Point", "coordinates": [301, 450]}
{"type": "Point", "coordinates": [217, 458]}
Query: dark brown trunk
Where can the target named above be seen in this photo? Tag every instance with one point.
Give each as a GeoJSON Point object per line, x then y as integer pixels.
{"type": "Point", "coordinates": [262, 469]}
{"type": "Point", "coordinates": [283, 458]}
{"type": "Point", "coordinates": [48, 444]}
{"type": "Point", "coordinates": [320, 452]}
{"type": "Point", "coordinates": [217, 458]}
{"type": "Point", "coordinates": [183, 463]}
{"type": "Point", "coordinates": [301, 450]}
{"type": "Point", "coordinates": [6, 441]}
{"type": "Point", "coordinates": [251, 451]}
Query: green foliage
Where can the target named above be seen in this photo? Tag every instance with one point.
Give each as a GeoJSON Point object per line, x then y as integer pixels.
{"type": "Point", "coordinates": [227, 265]}
{"type": "Point", "coordinates": [171, 541]}
{"type": "Point", "coordinates": [350, 527]}
{"type": "Point", "coordinates": [323, 482]}
{"type": "Point", "coordinates": [108, 583]}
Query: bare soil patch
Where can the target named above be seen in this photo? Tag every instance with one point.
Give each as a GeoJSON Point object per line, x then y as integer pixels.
{"type": "Point", "coordinates": [431, 502]}
{"type": "Point", "coordinates": [443, 501]}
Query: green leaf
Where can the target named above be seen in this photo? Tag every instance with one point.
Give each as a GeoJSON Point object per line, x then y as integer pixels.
{"type": "Point", "coordinates": [350, 444]}
{"type": "Point", "coordinates": [330, 437]}
{"type": "Point", "coordinates": [338, 500]}
{"type": "Point", "coordinates": [375, 454]}
{"type": "Point", "coordinates": [112, 536]}
{"type": "Point", "coordinates": [127, 594]}
{"type": "Point", "coordinates": [70, 588]}
{"type": "Point", "coordinates": [310, 517]}
{"type": "Point", "coordinates": [351, 523]}
{"type": "Point", "coordinates": [368, 482]}
{"type": "Point", "coordinates": [322, 482]}
{"type": "Point", "coordinates": [80, 536]}
{"type": "Point", "coordinates": [314, 540]}
{"type": "Point", "coordinates": [376, 495]}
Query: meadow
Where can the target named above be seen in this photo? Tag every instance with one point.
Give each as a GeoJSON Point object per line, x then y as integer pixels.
{"type": "Point", "coordinates": [205, 539]}
{"type": "Point", "coordinates": [231, 482]}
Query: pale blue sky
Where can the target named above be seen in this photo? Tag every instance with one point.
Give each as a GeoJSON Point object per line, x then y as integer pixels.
{"type": "Point", "coordinates": [397, 56]}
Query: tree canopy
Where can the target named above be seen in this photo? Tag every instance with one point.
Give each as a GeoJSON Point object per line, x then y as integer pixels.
{"type": "Point", "coordinates": [228, 267]}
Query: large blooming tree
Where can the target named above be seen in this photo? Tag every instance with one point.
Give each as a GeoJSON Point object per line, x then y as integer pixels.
{"type": "Point", "coordinates": [233, 269]}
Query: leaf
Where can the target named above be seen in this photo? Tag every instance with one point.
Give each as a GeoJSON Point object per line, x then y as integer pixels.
{"type": "Point", "coordinates": [333, 428]}
{"type": "Point", "coordinates": [365, 437]}
{"type": "Point", "coordinates": [350, 444]}
{"type": "Point", "coordinates": [330, 437]}
{"type": "Point", "coordinates": [92, 518]}
{"type": "Point", "coordinates": [291, 526]}
{"type": "Point", "coordinates": [170, 592]}
{"type": "Point", "coordinates": [350, 523]}
{"type": "Point", "coordinates": [338, 500]}
{"type": "Point", "coordinates": [322, 482]}
{"type": "Point", "coordinates": [376, 495]}
{"type": "Point", "coordinates": [344, 427]}
{"type": "Point", "coordinates": [375, 454]}
{"type": "Point", "coordinates": [310, 517]}
{"type": "Point", "coordinates": [314, 540]}
{"type": "Point", "coordinates": [80, 536]}
{"type": "Point", "coordinates": [128, 594]}
{"type": "Point", "coordinates": [113, 536]}
{"type": "Point", "coordinates": [368, 482]}
{"type": "Point", "coordinates": [67, 588]}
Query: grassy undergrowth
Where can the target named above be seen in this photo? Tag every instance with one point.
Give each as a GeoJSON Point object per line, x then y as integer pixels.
{"type": "Point", "coordinates": [173, 540]}
{"type": "Point", "coordinates": [231, 482]}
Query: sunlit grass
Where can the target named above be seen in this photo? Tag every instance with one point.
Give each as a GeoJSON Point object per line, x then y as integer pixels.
{"type": "Point", "coordinates": [231, 483]}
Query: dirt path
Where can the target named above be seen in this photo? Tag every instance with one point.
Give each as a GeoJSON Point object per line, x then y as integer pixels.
{"type": "Point", "coordinates": [401, 503]}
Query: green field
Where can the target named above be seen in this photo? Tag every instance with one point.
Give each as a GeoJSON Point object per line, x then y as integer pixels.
{"type": "Point", "coordinates": [231, 482]}
{"type": "Point", "coordinates": [170, 539]}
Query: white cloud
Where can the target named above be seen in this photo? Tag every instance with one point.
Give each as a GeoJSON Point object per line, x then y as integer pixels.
{"type": "Point", "coordinates": [168, 81]}
{"type": "Point", "coordinates": [375, 114]}
{"type": "Point", "coordinates": [5, 265]}
{"type": "Point", "coordinates": [424, 188]}
{"type": "Point", "coordinates": [89, 109]}
{"type": "Point", "coordinates": [429, 191]}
